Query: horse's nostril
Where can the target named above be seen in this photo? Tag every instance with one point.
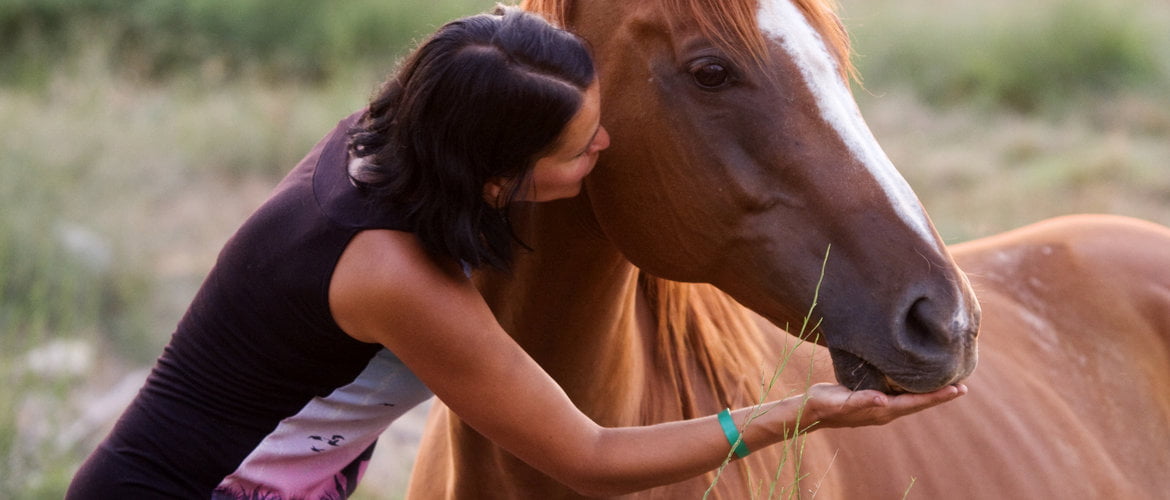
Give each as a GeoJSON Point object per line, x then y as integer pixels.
{"type": "Point", "coordinates": [924, 328]}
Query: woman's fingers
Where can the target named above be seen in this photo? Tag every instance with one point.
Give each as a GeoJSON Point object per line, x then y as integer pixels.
{"type": "Point", "coordinates": [837, 406]}
{"type": "Point", "coordinates": [910, 403]}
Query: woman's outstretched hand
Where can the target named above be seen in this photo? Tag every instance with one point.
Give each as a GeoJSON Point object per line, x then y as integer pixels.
{"type": "Point", "coordinates": [832, 405]}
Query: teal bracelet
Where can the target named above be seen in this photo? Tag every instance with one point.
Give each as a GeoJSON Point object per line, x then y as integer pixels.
{"type": "Point", "coordinates": [732, 433]}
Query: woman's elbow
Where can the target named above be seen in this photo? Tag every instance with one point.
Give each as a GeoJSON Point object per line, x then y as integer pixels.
{"type": "Point", "coordinates": [593, 470]}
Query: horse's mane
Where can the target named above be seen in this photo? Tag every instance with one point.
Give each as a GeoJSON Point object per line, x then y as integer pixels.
{"type": "Point", "coordinates": [704, 335]}
{"type": "Point", "coordinates": [732, 24]}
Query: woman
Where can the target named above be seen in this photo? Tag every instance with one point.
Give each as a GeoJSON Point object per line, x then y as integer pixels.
{"type": "Point", "coordinates": [344, 300]}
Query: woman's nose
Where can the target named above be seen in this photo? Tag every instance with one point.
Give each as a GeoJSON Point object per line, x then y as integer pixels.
{"type": "Point", "coordinates": [601, 141]}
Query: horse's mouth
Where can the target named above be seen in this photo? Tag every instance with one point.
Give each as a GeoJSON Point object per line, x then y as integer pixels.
{"type": "Point", "coordinates": [858, 374]}
{"type": "Point", "coordinates": [894, 388]}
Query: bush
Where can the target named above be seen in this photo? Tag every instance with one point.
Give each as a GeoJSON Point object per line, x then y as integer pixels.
{"type": "Point", "coordinates": [1023, 57]}
{"type": "Point", "coordinates": [279, 39]}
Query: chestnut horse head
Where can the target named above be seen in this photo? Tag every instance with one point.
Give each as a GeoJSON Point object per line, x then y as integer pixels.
{"type": "Point", "coordinates": [739, 157]}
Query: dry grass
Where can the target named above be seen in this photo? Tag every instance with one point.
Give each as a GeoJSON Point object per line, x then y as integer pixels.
{"type": "Point", "coordinates": [980, 173]}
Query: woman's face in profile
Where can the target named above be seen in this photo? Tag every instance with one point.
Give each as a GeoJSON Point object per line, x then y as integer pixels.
{"type": "Point", "coordinates": [560, 173]}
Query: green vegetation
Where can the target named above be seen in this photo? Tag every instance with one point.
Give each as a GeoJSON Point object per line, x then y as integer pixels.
{"type": "Point", "coordinates": [308, 40]}
{"type": "Point", "coordinates": [1003, 113]}
{"type": "Point", "coordinates": [1026, 57]}
{"type": "Point", "coordinates": [135, 135]}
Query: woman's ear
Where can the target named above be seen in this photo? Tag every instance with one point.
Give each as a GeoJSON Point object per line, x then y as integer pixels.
{"type": "Point", "coordinates": [492, 190]}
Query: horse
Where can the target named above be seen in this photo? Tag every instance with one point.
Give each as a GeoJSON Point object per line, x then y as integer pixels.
{"type": "Point", "coordinates": [742, 196]}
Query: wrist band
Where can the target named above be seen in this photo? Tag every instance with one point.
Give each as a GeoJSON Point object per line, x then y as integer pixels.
{"type": "Point", "coordinates": [732, 433]}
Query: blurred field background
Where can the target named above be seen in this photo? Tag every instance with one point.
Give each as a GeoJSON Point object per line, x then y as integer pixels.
{"type": "Point", "coordinates": [135, 135]}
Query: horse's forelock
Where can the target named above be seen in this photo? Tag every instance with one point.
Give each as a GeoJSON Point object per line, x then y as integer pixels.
{"type": "Point", "coordinates": [555, 11]}
{"type": "Point", "coordinates": [733, 24]}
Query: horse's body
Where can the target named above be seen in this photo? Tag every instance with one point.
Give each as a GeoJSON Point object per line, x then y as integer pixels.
{"type": "Point", "coordinates": [745, 185]}
{"type": "Point", "coordinates": [1070, 399]}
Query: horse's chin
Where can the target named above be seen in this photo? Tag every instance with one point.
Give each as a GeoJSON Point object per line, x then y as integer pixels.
{"type": "Point", "coordinates": [858, 374]}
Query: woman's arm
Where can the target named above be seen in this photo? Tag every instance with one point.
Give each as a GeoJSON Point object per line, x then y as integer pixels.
{"type": "Point", "coordinates": [386, 289]}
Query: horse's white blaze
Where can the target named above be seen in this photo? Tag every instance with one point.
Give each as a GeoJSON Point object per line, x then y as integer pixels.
{"type": "Point", "coordinates": [784, 22]}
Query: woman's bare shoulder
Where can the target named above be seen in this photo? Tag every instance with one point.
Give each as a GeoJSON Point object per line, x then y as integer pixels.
{"type": "Point", "coordinates": [383, 273]}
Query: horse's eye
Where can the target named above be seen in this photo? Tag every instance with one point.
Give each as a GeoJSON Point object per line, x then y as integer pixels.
{"type": "Point", "coordinates": [711, 75]}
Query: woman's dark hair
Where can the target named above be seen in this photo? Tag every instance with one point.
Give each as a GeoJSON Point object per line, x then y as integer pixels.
{"type": "Point", "coordinates": [481, 99]}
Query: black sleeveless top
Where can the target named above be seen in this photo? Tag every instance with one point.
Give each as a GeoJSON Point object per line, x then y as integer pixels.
{"type": "Point", "coordinates": [259, 393]}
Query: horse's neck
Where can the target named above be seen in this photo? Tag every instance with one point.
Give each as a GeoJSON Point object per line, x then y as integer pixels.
{"type": "Point", "coordinates": [572, 304]}
{"type": "Point", "coordinates": [627, 348]}
{"type": "Point", "coordinates": [630, 349]}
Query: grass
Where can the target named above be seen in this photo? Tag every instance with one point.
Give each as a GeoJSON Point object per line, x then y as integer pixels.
{"type": "Point", "coordinates": [106, 228]}
{"type": "Point", "coordinates": [980, 172]}
{"type": "Point", "coordinates": [793, 445]}
{"type": "Point", "coordinates": [123, 172]}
